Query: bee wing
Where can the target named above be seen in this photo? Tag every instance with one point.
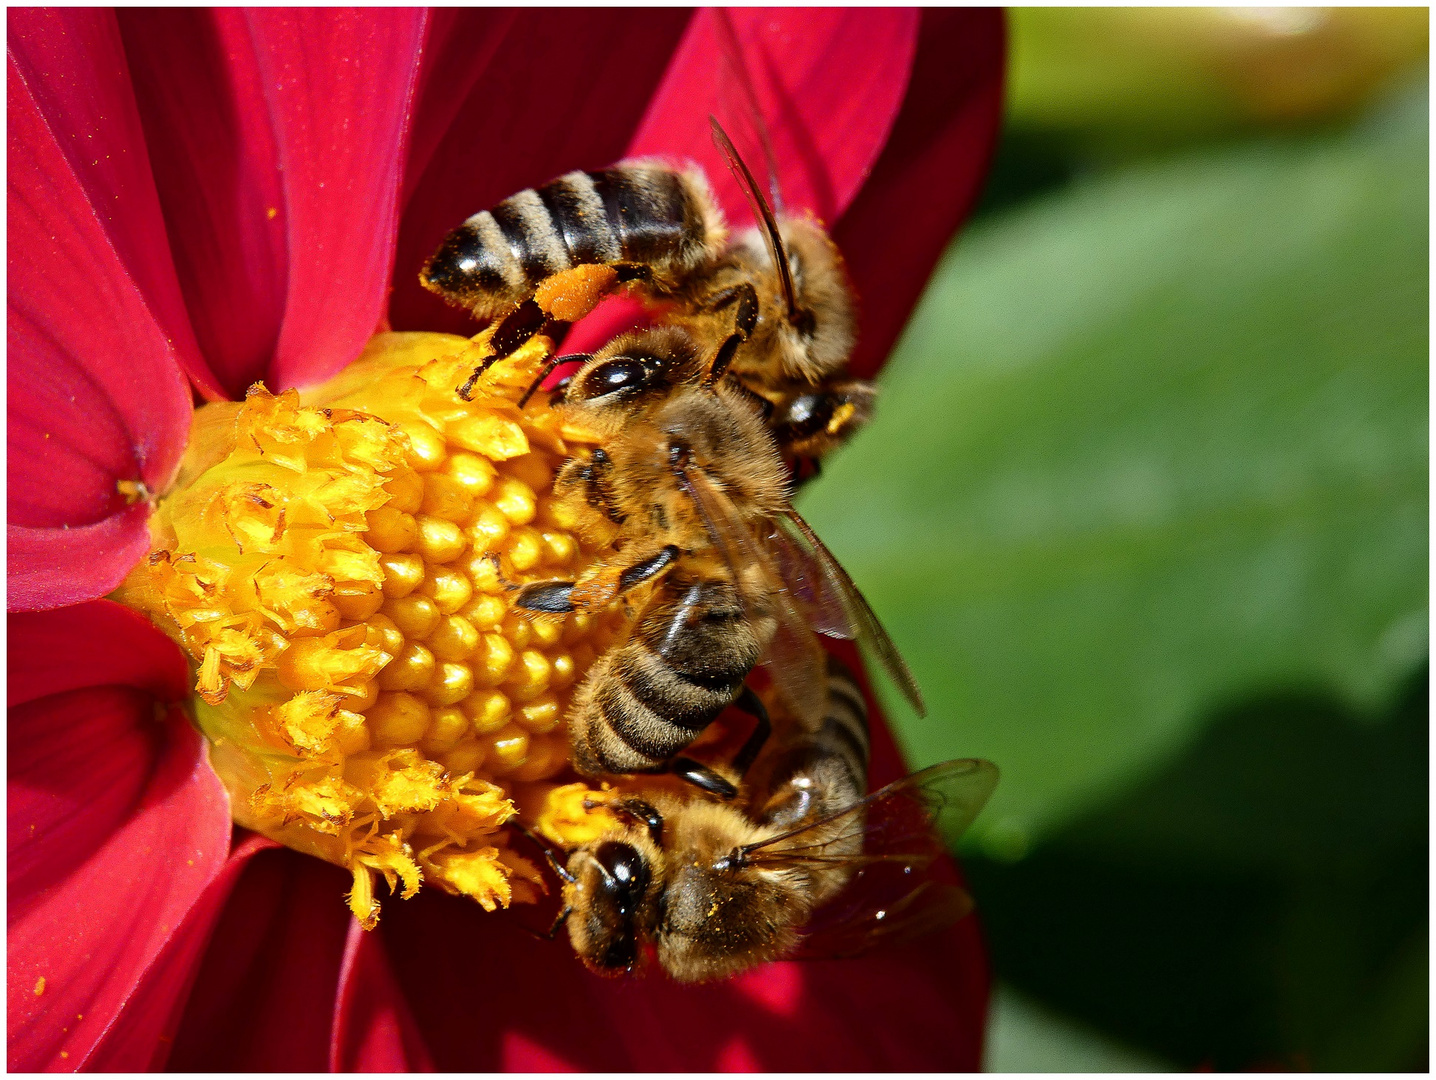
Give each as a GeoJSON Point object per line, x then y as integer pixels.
{"type": "Point", "coordinates": [861, 617]}
{"type": "Point", "coordinates": [910, 821]}
{"type": "Point", "coordinates": [827, 614]}
{"type": "Point", "coordinates": [762, 211]}
{"type": "Point", "coordinates": [794, 658]}
{"type": "Point", "coordinates": [850, 927]}
{"type": "Point", "coordinates": [894, 895]}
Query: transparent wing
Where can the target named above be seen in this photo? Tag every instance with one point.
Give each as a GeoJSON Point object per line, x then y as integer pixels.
{"type": "Point", "coordinates": [912, 820]}
{"type": "Point", "coordinates": [895, 893]}
{"type": "Point", "coordinates": [811, 588]}
{"type": "Point", "coordinates": [861, 617]}
{"type": "Point", "coordinates": [794, 658]}
{"type": "Point", "coordinates": [872, 914]}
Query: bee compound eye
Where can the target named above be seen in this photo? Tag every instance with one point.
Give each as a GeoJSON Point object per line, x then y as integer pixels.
{"type": "Point", "coordinates": [613, 376]}
{"type": "Point", "coordinates": [625, 877]}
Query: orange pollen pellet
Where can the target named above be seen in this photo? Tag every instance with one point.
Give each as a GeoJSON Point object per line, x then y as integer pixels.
{"type": "Point", "coordinates": [572, 294]}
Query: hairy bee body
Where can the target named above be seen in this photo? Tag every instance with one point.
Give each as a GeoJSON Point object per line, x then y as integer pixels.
{"type": "Point", "coordinates": [707, 619]}
{"type": "Point", "coordinates": [793, 361]}
{"type": "Point", "coordinates": [639, 213]}
{"type": "Point", "coordinates": [678, 884]}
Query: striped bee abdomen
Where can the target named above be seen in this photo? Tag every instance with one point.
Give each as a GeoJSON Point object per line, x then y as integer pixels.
{"type": "Point", "coordinates": [646, 700]}
{"type": "Point", "coordinates": [822, 772]}
{"type": "Point", "coordinates": [641, 213]}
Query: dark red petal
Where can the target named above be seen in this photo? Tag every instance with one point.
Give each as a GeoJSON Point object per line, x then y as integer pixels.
{"type": "Point", "coordinates": [921, 1007]}
{"type": "Point", "coordinates": [95, 644]}
{"type": "Point", "coordinates": [141, 1036]}
{"type": "Point", "coordinates": [216, 164]}
{"type": "Point", "coordinates": [549, 90]}
{"type": "Point", "coordinates": [917, 1008]}
{"type": "Point", "coordinates": [827, 82]}
{"type": "Point", "coordinates": [339, 84]}
{"type": "Point", "coordinates": [373, 1028]}
{"type": "Point", "coordinates": [116, 825]}
{"type": "Point", "coordinates": [50, 568]}
{"type": "Point", "coordinates": [265, 995]}
{"type": "Point", "coordinates": [95, 390]}
{"type": "Point", "coordinates": [929, 174]}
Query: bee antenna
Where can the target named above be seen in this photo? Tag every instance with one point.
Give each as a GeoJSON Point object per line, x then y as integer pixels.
{"type": "Point", "coordinates": [764, 215]}
{"type": "Point", "coordinates": [548, 853]}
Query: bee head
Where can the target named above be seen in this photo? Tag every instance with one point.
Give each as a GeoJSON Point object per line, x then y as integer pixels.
{"type": "Point", "coordinates": [632, 370]}
{"type": "Point", "coordinates": [815, 340]}
{"type": "Point", "coordinates": [612, 896]}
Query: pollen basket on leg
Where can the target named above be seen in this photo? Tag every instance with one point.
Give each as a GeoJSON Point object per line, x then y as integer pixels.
{"type": "Point", "coordinates": [339, 568]}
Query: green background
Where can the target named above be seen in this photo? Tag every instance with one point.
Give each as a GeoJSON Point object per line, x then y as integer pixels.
{"type": "Point", "coordinates": [1145, 507]}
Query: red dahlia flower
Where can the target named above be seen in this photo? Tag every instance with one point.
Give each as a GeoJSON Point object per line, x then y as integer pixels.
{"type": "Point", "coordinates": [202, 199]}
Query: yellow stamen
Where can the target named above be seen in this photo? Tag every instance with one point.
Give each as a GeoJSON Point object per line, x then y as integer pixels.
{"type": "Point", "coordinates": [339, 566]}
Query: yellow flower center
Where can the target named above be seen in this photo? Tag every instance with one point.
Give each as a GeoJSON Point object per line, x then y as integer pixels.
{"type": "Point", "coordinates": [339, 565]}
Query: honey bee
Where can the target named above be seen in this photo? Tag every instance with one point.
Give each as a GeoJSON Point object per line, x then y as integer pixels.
{"type": "Point", "coordinates": [774, 305]}
{"type": "Point", "coordinates": [691, 481]}
{"type": "Point", "coordinates": [803, 864]}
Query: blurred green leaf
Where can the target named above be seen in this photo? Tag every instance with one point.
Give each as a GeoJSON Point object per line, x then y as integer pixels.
{"type": "Point", "coordinates": [1122, 80]}
{"type": "Point", "coordinates": [1024, 1037]}
{"type": "Point", "coordinates": [1259, 902]}
{"type": "Point", "coordinates": [1150, 444]}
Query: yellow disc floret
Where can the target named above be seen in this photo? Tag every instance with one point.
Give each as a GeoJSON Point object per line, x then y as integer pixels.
{"type": "Point", "coordinates": [339, 566]}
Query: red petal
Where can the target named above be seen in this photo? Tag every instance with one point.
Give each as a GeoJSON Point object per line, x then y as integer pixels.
{"type": "Point", "coordinates": [917, 1008]}
{"type": "Point", "coordinates": [95, 391]}
{"type": "Point", "coordinates": [211, 143]}
{"type": "Point", "coordinates": [72, 66]}
{"type": "Point", "coordinates": [612, 317]}
{"type": "Point", "coordinates": [929, 174]}
{"type": "Point", "coordinates": [143, 1033]}
{"type": "Point", "coordinates": [96, 644]}
{"type": "Point", "coordinates": [265, 995]}
{"type": "Point", "coordinates": [116, 826]}
{"type": "Point", "coordinates": [51, 568]}
{"type": "Point", "coordinates": [339, 84]}
{"type": "Point", "coordinates": [373, 1029]}
{"type": "Point", "coordinates": [827, 83]}
{"type": "Point", "coordinates": [549, 91]}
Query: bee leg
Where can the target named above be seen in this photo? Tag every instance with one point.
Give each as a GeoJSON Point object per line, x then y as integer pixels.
{"type": "Point", "coordinates": [640, 572]}
{"type": "Point", "coordinates": [556, 597]}
{"type": "Point", "coordinates": [561, 299]}
{"type": "Point", "coordinates": [513, 330]}
{"type": "Point", "coordinates": [548, 852]}
{"type": "Point", "coordinates": [595, 473]}
{"type": "Point", "coordinates": [552, 931]}
{"type": "Point", "coordinates": [591, 475]}
{"type": "Point", "coordinates": [549, 597]}
{"type": "Point", "coordinates": [558, 923]}
{"type": "Point", "coordinates": [645, 814]}
{"type": "Point", "coordinates": [685, 768]}
{"type": "Point", "coordinates": [745, 318]}
{"type": "Point", "coordinates": [751, 704]}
